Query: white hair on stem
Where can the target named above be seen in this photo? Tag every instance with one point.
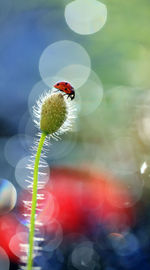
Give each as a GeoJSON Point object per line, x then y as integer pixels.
{"type": "Point", "coordinates": [67, 111]}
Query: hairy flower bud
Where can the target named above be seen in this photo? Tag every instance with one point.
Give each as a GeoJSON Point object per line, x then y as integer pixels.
{"type": "Point", "coordinates": [53, 113]}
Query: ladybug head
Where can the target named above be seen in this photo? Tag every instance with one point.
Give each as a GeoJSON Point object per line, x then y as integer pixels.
{"type": "Point", "coordinates": [57, 85]}
{"type": "Point", "coordinates": [72, 95]}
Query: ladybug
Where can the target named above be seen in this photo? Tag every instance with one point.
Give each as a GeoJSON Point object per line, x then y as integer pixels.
{"type": "Point", "coordinates": [66, 88]}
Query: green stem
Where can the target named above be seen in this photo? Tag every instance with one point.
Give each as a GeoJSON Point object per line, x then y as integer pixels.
{"type": "Point", "coordinates": [34, 201]}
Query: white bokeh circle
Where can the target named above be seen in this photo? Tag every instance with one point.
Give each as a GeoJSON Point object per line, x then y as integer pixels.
{"type": "Point", "coordinates": [24, 172]}
{"type": "Point", "coordinates": [76, 74]}
{"type": "Point", "coordinates": [8, 196]}
{"type": "Point", "coordinates": [65, 60]}
{"type": "Point", "coordinates": [84, 256]}
{"type": "Point", "coordinates": [85, 16]}
{"type": "Point", "coordinates": [18, 243]}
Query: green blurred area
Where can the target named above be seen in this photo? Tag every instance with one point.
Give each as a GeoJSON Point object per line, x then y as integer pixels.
{"type": "Point", "coordinates": [122, 41]}
{"type": "Point", "coordinates": [120, 55]}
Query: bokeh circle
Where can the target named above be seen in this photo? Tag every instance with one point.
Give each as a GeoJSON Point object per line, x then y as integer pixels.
{"type": "Point", "coordinates": [8, 196]}
{"type": "Point", "coordinates": [24, 172]}
{"type": "Point", "coordinates": [85, 17]}
{"type": "Point", "coordinates": [64, 60]}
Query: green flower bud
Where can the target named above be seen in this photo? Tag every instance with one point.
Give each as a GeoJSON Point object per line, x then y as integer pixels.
{"type": "Point", "coordinates": [53, 113]}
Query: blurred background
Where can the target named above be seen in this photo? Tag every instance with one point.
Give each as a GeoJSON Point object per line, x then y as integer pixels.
{"type": "Point", "coordinates": [96, 209]}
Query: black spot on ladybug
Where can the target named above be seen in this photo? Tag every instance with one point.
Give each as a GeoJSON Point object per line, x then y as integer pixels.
{"type": "Point", "coordinates": [57, 83]}
{"type": "Point", "coordinates": [65, 88]}
{"type": "Point", "coordinates": [66, 83]}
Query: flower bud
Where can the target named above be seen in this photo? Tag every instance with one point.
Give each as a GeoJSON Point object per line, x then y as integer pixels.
{"type": "Point", "coordinates": [53, 113]}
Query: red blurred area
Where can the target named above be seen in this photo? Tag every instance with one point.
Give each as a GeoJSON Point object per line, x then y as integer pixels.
{"type": "Point", "coordinates": [82, 195]}
{"type": "Point", "coordinates": [77, 199]}
{"type": "Point", "coordinates": [8, 225]}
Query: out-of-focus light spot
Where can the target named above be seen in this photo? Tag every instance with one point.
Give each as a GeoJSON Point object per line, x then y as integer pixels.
{"type": "Point", "coordinates": [24, 172]}
{"type": "Point", "coordinates": [53, 235]}
{"type": "Point", "coordinates": [143, 167]}
{"type": "Point", "coordinates": [145, 172]}
{"type": "Point", "coordinates": [76, 74]}
{"type": "Point", "coordinates": [24, 209]}
{"type": "Point", "coordinates": [21, 228]}
{"type": "Point", "coordinates": [126, 191]}
{"type": "Point", "coordinates": [124, 244]}
{"type": "Point", "coordinates": [38, 89]}
{"type": "Point", "coordinates": [18, 243]}
{"type": "Point", "coordinates": [8, 196]}
{"type": "Point", "coordinates": [4, 260]}
{"type": "Point", "coordinates": [116, 235]}
{"type": "Point", "coordinates": [62, 60]}
{"type": "Point", "coordinates": [117, 240]}
{"type": "Point", "coordinates": [17, 147]}
{"type": "Point", "coordinates": [91, 94]}
{"type": "Point", "coordinates": [85, 17]}
{"type": "Point", "coordinates": [83, 256]}
{"type": "Point", "coordinates": [47, 208]}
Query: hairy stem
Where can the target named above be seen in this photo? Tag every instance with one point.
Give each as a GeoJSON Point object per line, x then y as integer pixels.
{"type": "Point", "coordinates": [34, 201]}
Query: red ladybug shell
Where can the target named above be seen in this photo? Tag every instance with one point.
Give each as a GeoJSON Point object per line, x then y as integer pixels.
{"type": "Point", "coordinates": [66, 88]}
